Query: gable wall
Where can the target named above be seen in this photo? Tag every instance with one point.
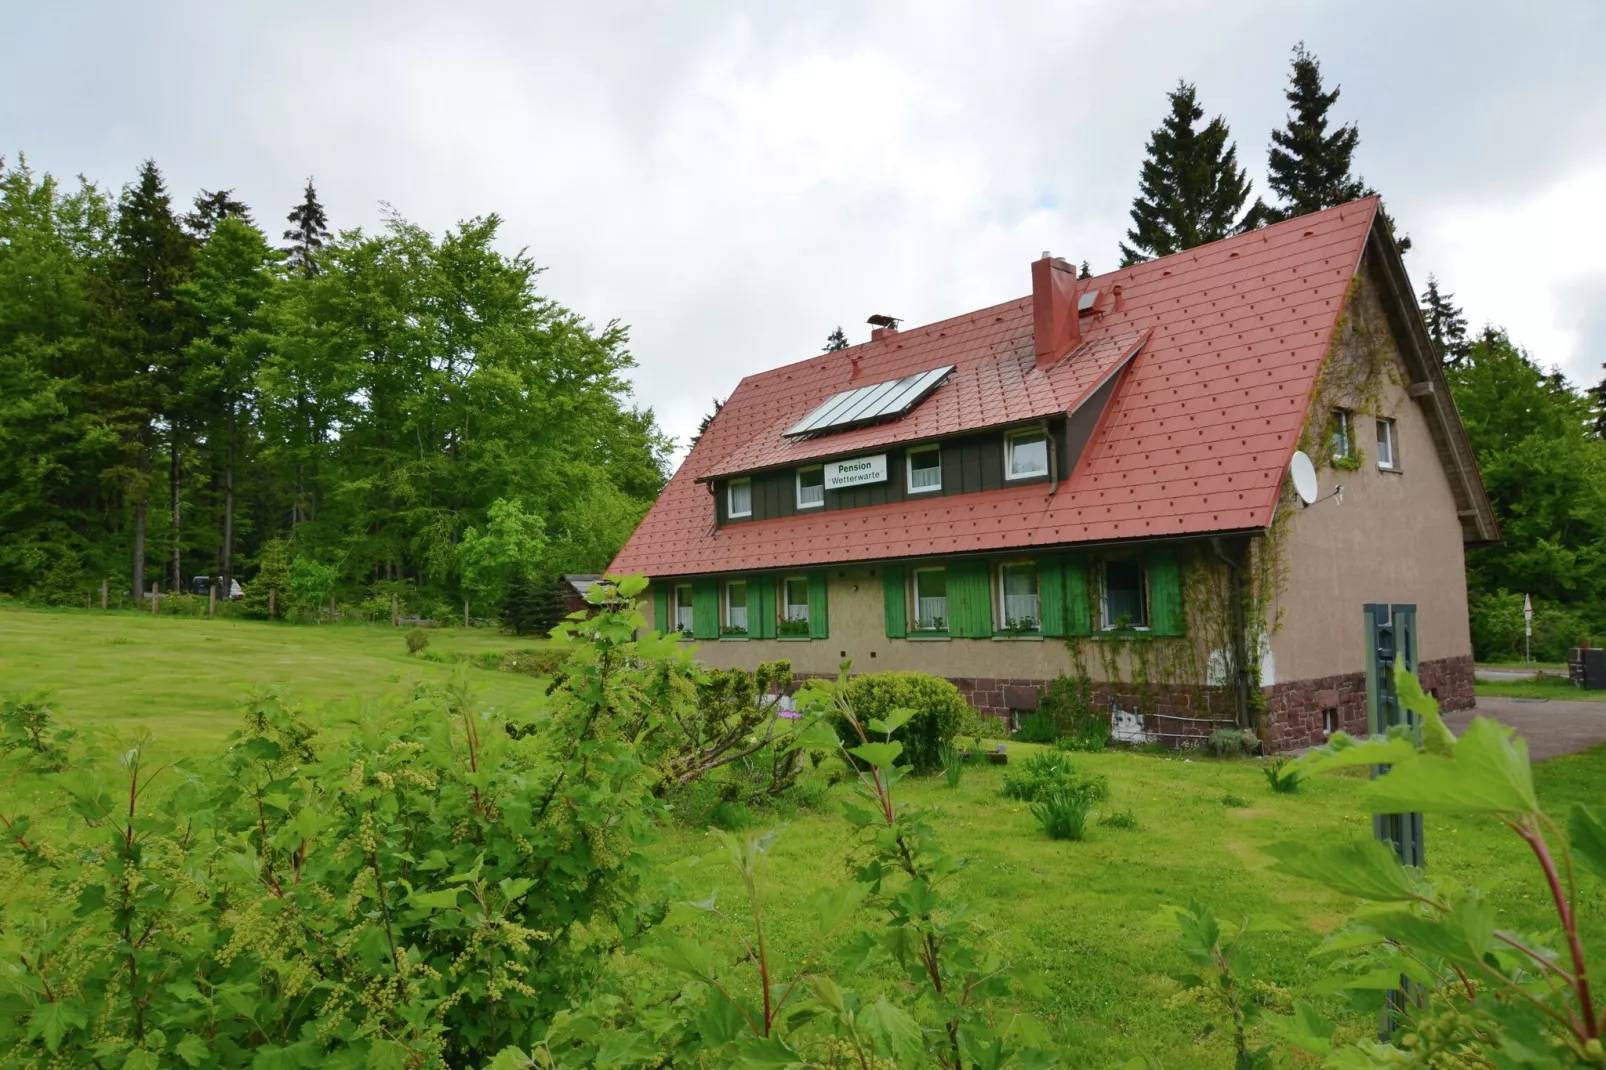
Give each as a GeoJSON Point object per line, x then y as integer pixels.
{"type": "Point", "coordinates": [1396, 537]}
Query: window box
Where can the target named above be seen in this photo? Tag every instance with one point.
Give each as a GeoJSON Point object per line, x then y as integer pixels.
{"type": "Point", "coordinates": [924, 470]}
{"type": "Point", "coordinates": [1025, 454]}
{"type": "Point", "coordinates": [739, 498]}
{"type": "Point", "coordinates": [792, 629]}
{"type": "Point", "coordinates": [811, 487]}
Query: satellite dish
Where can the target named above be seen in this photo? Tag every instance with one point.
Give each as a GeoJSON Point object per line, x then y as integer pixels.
{"type": "Point", "coordinates": [1304, 475]}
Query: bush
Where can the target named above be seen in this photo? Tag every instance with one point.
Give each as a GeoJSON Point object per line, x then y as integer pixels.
{"type": "Point", "coordinates": [1051, 773]}
{"type": "Point", "coordinates": [1037, 728]}
{"type": "Point", "coordinates": [1068, 702]}
{"type": "Point", "coordinates": [534, 662]}
{"type": "Point", "coordinates": [1497, 629]}
{"type": "Point", "coordinates": [1062, 814]}
{"type": "Point", "coordinates": [1284, 777]}
{"type": "Point", "coordinates": [182, 605]}
{"type": "Point", "coordinates": [939, 712]}
{"type": "Point", "coordinates": [417, 641]}
{"type": "Point", "coordinates": [1231, 743]}
{"type": "Point", "coordinates": [730, 816]}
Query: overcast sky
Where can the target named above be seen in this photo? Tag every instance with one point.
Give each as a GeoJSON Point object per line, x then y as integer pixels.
{"type": "Point", "coordinates": [734, 180]}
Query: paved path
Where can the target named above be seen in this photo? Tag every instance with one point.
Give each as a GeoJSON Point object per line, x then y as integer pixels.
{"type": "Point", "coordinates": [1551, 727]}
{"type": "Point", "coordinates": [1504, 675]}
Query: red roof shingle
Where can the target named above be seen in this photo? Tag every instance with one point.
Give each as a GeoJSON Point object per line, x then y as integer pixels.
{"type": "Point", "coordinates": [1195, 439]}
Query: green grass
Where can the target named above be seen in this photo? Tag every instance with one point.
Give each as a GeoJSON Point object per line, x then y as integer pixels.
{"type": "Point", "coordinates": [1073, 915]}
{"type": "Point", "coordinates": [184, 677]}
{"type": "Point", "coordinates": [1547, 686]}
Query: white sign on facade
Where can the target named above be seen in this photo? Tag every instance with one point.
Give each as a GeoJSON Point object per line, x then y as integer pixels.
{"type": "Point", "coordinates": [839, 475]}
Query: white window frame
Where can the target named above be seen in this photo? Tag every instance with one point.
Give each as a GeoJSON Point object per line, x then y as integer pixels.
{"type": "Point", "coordinates": [730, 498]}
{"type": "Point", "coordinates": [914, 594]}
{"type": "Point", "coordinates": [1000, 608]}
{"type": "Point", "coordinates": [1108, 623]}
{"type": "Point", "coordinates": [1343, 434]}
{"type": "Point", "coordinates": [787, 605]}
{"type": "Point", "coordinates": [675, 606]}
{"type": "Point", "coordinates": [1389, 434]}
{"type": "Point", "coordinates": [747, 617]}
{"type": "Point", "coordinates": [820, 468]}
{"type": "Point", "coordinates": [909, 469]}
{"type": "Point", "coordinates": [1010, 438]}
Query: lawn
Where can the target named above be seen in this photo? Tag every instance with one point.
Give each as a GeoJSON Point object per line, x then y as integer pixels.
{"type": "Point", "coordinates": [1546, 685]}
{"type": "Point", "coordinates": [183, 677]}
{"type": "Point", "coordinates": [1074, 916]}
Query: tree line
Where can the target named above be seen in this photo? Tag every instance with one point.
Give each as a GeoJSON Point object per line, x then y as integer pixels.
{"type": "Point", "coordinates": [388, 413]}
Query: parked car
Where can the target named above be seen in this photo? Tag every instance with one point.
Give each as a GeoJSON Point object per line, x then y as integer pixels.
{"type": "Point", "coordinates": [202, 585]}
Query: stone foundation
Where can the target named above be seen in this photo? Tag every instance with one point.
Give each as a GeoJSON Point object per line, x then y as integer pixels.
{"type": "Point", "coordinates": [1302, 713]}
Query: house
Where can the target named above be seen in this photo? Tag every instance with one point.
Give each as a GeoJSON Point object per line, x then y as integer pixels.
{"type": "Point", "coordinates": [575, 586]}
{"type": "Point", "coordinates": [1093, 480]}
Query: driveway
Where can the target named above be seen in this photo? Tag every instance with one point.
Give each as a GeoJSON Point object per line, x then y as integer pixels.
{"type": "Point", "coordinates": [1550, 726]}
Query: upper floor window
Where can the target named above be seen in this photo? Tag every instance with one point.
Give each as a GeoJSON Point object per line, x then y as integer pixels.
{"type": "Point", "coordinates": [925, 469]}
{"type": "Point", "coordinates": [1025, 454]}
{"type": "Point", "coordinates": [1125, 595]}
{"type": "Point", "coordinates": [1020, 609]}
{"type": "Point", "coordinates": [739, 498]}
{"type": "Point", "coordinates": [1343, 441]}
{"type": "Point", "coordinates": [735, 608]}
{"type": "Point", "coordinates": [1387, 456]}
{"type": "Point", "coordinates": [811, 487]}
{"type": "Point", "coordinates": [931, 600]}
{"type": "Point", "coordinates": [683, 609]}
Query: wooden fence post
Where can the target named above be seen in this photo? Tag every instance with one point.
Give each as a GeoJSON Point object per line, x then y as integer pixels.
{"type": "Point", "coordinates": [331, 607]}
{"type": "Point", "coordinates": [103, 593]}
{"type": "Point", "coordinates": [272, 593]}
{"type": "Point", "coordinates": [395, 614]}
{"type": "Point", "coordinates": [465, 613]}
{"type": "Point", "coordinates": [156, 597]}
{"type": "Point", "coordinates": [211, 600]}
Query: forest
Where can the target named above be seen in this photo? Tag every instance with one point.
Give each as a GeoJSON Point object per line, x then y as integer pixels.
{"type": "Point", "coordinates": [334, 414]}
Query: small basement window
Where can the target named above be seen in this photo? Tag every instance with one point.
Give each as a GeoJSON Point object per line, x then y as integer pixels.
{"type": "Point", "coordinates": [1343, 440]}
{"type": "Point", "coordinates": [1387, 456]}
{"type": "Point", "coordinates": [795, 606]}
{"type": "Point", "coordinates": [1018, 604]}
{"type": "Point", "coordinates": [739, 498]}
{"type": "Point", "coordinates": [1126, 604]}
{"type": "Point", "coordinates": [1025, 454]}
{"type": "Point", "coordinates": [925, 470]}
{"type": "Point", "coordinates": [811, 487]}
{"type": "Point", "coordinates": [931, 600]}
{"type": "Point", "coordinates": [683, 609]}
{"type": "Point", "coordinates": [735, 608]}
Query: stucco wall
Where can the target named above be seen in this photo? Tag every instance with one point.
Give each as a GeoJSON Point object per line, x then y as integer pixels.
{"type": "Point", "coordinates": [1395, 538]}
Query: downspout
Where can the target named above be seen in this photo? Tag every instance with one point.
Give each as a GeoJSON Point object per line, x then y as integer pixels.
{"type": "Point", "coordinates": [1240, 645]}
{"type": "Point", "coordinates": [1053, 459]}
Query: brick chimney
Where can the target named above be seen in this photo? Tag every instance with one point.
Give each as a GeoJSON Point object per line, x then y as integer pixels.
{"type": "Point", "coordinates": [1055, 326]}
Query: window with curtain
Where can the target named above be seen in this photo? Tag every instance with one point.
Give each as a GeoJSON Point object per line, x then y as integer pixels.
{"type": "Point", "coordinates": [683, 609]}
{"type": "Point", "coordinates": [1020, 609]}
{"type": "Point", "coordinates": [794, 606]}
{"type": "Point", "coordinates": [1025, 454]}
{"type": "Point", "coordinates": [736, 607]}
{"type": "Point", "coordinates": [810, 487]}
{"type": "Point", "coordinates": [925, 470]}
{"type": "Point", "coordinates": [931, 600]}
{"type": "Point", "coordinates": [739, 498]}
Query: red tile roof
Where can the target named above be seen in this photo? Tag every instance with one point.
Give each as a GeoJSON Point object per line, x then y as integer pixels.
{"type": "Point", "coordinates": [1195, 439]}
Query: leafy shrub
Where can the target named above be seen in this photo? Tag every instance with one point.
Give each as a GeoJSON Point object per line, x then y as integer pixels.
{"type": "Point", "coordinates": [730, 816]}
{"type": "Point", "coordinates": [1051, 773]}
{"type": "Point", "coordinates": [488, 659]}
{"type": "Point", "coordinates": [182, 605]}
{"type": "Point", "coordinates": [1062, 814]}
{"type": "Point", "coordinates": [1497, 628]}
{"type": "Point", "coordinates": [988, 727]}
{"type": "Point", "coordinates": [939, 711]}
{"type": "Point", "coordinates": [1284, 777]}
{"type": "Point", "coordinates": [1119, 819]}
{"type": "Point", "coordinates": [417, 641]}
{"type": "Point", "coordinates": [545, 662]}
{"type": "Point", "coordinates": [1068, 701]}
{"type": "Point", "coordinates": [1231, 743]}
{"type": "Point", "coordinates": [1037, 728]}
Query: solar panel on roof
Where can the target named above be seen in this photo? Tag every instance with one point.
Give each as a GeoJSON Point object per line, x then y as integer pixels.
{"type": "Point", "coordinates": [867, 404]}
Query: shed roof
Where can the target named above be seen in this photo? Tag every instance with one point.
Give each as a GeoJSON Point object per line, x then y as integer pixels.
{"type": "Point", "coordinates": [1195, 440]}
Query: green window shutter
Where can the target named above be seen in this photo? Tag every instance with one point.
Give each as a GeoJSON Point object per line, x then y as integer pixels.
{"type": "Point", "coordinates": [897, 612]}
{"type": "Point", "coordinates": [705, 609]}
{"type": "Point", "coordinates": [970, 600]}
{"type": "Point", "coordinates": [763, 587]}
{"type": "Point", "coordinates": [1051, 593]}
{"type": "Point", "coordinates": [660, 608]}
{"type": "Point", "coordinates": [819, 613]}
{"type": "Point", "coordinates": [1078, 613]}
{"type": "Point", "coordinates": [1165, 593]}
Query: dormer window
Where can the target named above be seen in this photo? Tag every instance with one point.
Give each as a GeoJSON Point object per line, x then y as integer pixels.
{"type": "Point", "coordinates": [739, 498]}
{"type": "Point", "coordinates": [925, 470]}
{"type": "Point", "coordinates": [1025, 454]}
{"type": "Point", "coordinates": [811, 487]}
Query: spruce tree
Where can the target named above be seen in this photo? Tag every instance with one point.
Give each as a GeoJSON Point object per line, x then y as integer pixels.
{"type": "Point", "coordinates": [1308, 167]}
{"type": "Point", "coordinates": [1446, 325]}
{"type": "Point", "coordinates": [211, 207]}
{"type": "Point", "coordinates": [703, 426]}
{"type": "Point", "coordinates": [1191, 189]}
{"type": "Point", "coordinates": [308, 234]}
{"type": "Point", "coordinates": [1085, 271]}
{"type": "Point", "coordinates": [520, 610]}
{"type": "Point", "coordinates": [837, 339]}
